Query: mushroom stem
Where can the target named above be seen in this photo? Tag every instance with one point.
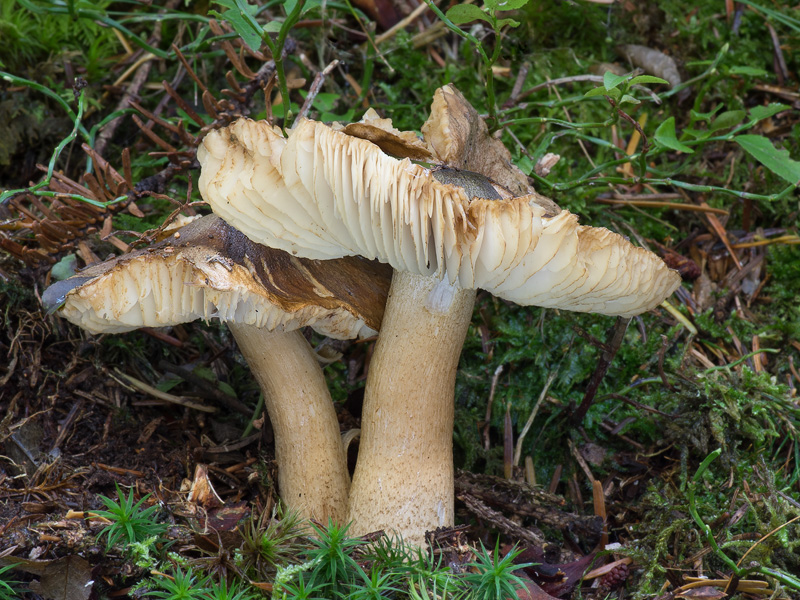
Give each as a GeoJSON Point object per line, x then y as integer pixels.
{"type": "Point", "coordinates": [404, 476]}
{"type": "Point", "coordinates": [312, 472]}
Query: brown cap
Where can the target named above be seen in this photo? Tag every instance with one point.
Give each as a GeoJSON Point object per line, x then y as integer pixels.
{"type": "Point", "coordinates": [209, 270]}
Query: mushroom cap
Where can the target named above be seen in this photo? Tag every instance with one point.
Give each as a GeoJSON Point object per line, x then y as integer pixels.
{"type": "Point", "coordinates": [324, 194]}
{"type": "Point", "coordinates": [209, 270]}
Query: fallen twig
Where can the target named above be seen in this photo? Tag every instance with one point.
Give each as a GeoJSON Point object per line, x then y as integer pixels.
{"type": "Point", "coordinates": [156, 393]}
{"type": "Point", "coordinates": [319, 79]}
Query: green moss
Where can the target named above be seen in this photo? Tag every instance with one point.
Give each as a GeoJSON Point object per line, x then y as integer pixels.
{"type": "Point", "coordinates": [30, 38]}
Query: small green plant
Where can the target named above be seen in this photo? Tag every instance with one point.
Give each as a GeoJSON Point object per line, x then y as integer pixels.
{"type": "Point", "coordinates": [461, 14]}
{"type": "Point", "coordinates": [241, 15]}
{"type": "Point", "coordinates": [389, 552]}
{"type": "Point", "coordinates": [130, 523]}
{"type": "Point", "coordinates": [426, 588]}
{"type": "Point", "coordinates": [494, 577]}
{"type": "Point", "coordinates": [618, 90]}
{"type": "Point", "coordinates": [140, 553]}
{"type": "Point", "coordinates": [438, 577]}
{"type": "Point", "coordinates": [375, 586]}
{"type": "Point", "coordinates": [269, 542]}
{"type": "Point", "coordinates": [335, 568]}
{"type": "Point", "coordinates": [430, 577]}
{"type": "Point", "coordinates": [221, 591]}
{"type": "Point", "coordinates": [285, 587]}
{"type": "Point", "coordinates": [619, 87]}
{"type": "Point", "coordinates": [181, 586]}
{"type": "Point", "coordinates": [338, 566]}
{"type": "Point", "coordinates": [725, 127]}
{"type": "Point", "coordinates": [9, 589]}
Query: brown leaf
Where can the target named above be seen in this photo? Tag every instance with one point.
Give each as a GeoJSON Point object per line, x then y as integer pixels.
{"type": "Point", "coordinates": [381, 132]}
{"type": "Point", "coordinates": [135, 210]}
{"type": "Point", "coordinates": [706, 592]}
{"type": "Point", "coordinates": [532, 591]}
{"type": "Point", "coordinates": [557, 580]}
{"type": "Point", "coordinates": [68, 578]}
{"type": "Point", "coordinates": [381, 11]}
{"type": "Point", "coordinates": [202, 492]}
{"type": "Point", "coordinates": [226, 518]}
{"type": "Point", "coordinates": [719, 229]}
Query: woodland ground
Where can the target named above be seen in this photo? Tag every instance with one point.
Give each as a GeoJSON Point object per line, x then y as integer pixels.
{"type": "Point", "coordinates": [699, 170]}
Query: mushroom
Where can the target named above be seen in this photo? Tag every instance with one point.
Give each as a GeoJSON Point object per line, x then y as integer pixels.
{"type": "Point", "coordinates": [209, 270]}
{"type": "Point", "coordinates": [322, 193]}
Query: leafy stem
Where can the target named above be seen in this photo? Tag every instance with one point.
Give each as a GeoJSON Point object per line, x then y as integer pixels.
{"type": "Point", "coordinates": [465, 13]}
{"type": "Point", "coordinates": [15, 80]}
{"type": "Point", "coordinates": [487, 62]}
{"type": "Point", "coordinates": [705, 529]}
{"type": "Point", "coordinates": [294, 10]}
{"type": "Point", "coordinates": [36, 189]}
{"type": "Point", "coordinates": [709, 72]}
{"type": "Point", "coordinates": [277, 54]}
{"type": "Point", "coordinates": [241, 16]}
{"type": "Point", "coordinates": [642, 160]}
{"type": "Point", "coordinates": [665, 181]}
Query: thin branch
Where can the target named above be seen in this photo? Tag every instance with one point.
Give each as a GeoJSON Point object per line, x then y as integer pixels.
{"type": "Point", "coordinates": [316, 85]}
{"type": "Point", "coordinates": [609, 351]}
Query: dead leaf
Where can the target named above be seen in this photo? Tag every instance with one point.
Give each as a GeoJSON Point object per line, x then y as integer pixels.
{"type": "Point", "coordinates": [202, 492]}
{"type": "Point", "coordinates": [392, 141]}
{"type": "Point", "coordinates": [706, 592]}
{"type": "Point", "coordinates": [381, 11]}
{"type": "Point", "coordinates": [226, 518]}
{"type": "Point", "coordinates": [557, 580]}
{"type": "Point", "coordinates": [532, 591]}
{"type": "Point", "coordinates": [68, 578]}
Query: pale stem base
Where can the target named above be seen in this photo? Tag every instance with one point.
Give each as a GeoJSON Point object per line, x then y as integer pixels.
{"type": "Point", "coordinates": [403, 482]}
{"type": "Point", "coordinates": [312, 472]}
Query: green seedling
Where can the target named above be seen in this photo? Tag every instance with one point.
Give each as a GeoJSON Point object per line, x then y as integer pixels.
{"type": "Point", "coordinates": [269, 542]}
{"type": "Point", "coordinates": [375, 586]}
{"type": "Point", "coordinates": [130, 523]}
{"type": "Point", "coordinates": [494, 577]}
{"type": "Point", "coordinates": [285, 586]}
{"type": "Point", "coordinates": [461, 14]}
{"type": "Point", "coordinates": [181, 586]}
{"type": "Point", "coordinates": [619, 87]}
{"type": "Point", "coordinates": [222, 591]}
{"type": "Point", "coordinates": [333, 552]}
{"type": "Point", "coordinates": [39, 189]}
{"type": "Point", "coordinates": [790, 581]}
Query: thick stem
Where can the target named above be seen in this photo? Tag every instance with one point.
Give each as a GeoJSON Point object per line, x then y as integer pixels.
{"type": "Point", "coordinates": [403, 480]}
{"type": "Point", "coordinates": [312, 472]}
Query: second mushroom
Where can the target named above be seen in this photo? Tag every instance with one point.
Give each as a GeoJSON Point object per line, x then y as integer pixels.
{"type": "Point", "coordinates": [209, 270]}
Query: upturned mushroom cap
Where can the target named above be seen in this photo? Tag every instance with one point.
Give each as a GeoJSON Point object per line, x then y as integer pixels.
{"type": "Point", "coordinates": [208, 270]}
{"type": "Point", "coordinates": [324, 194]}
